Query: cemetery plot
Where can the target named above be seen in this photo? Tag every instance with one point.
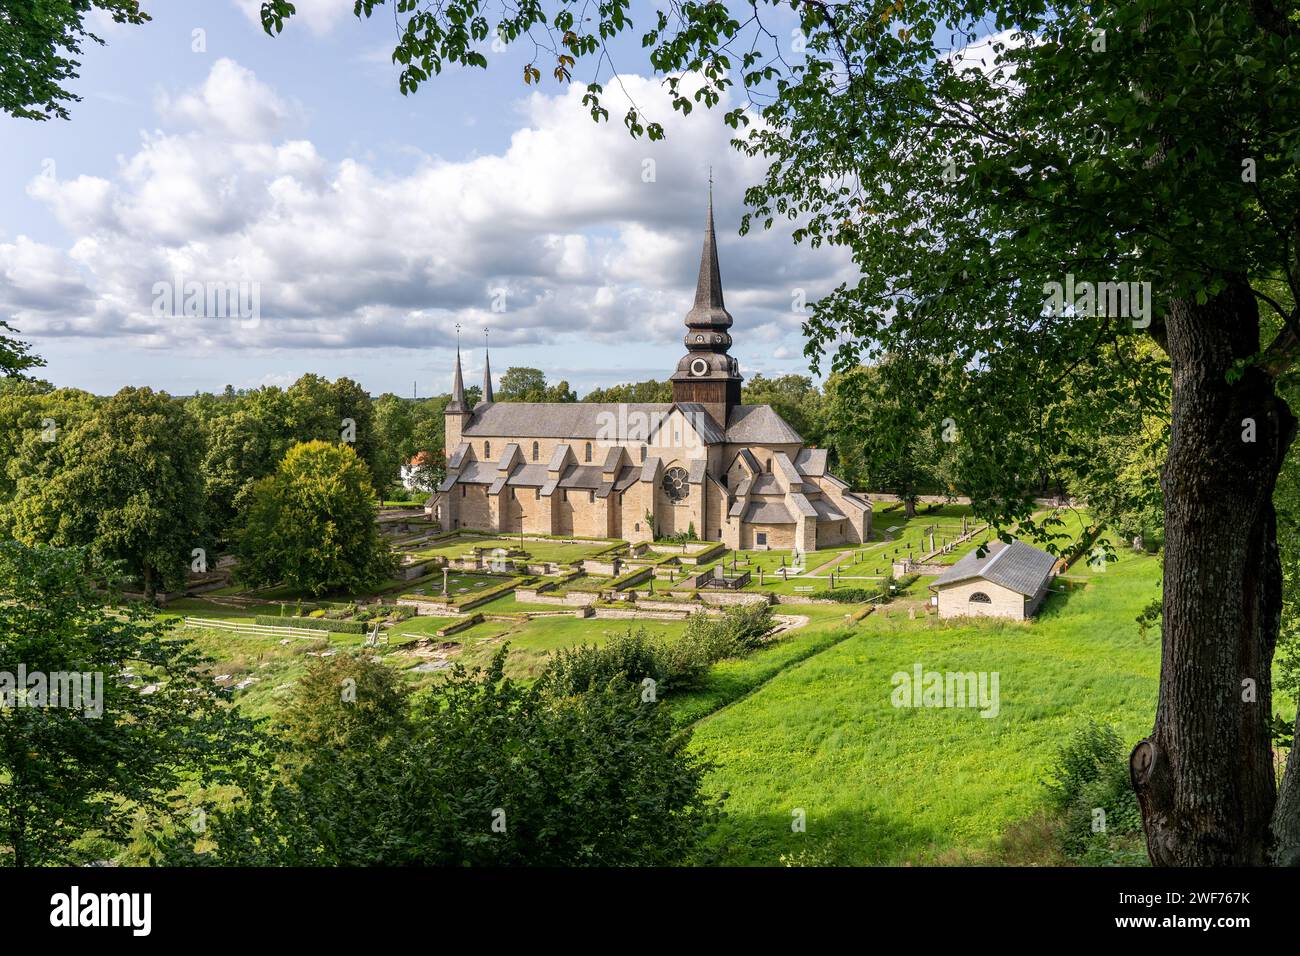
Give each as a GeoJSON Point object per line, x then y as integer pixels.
{"type": "Point", "coordinates": [541, 552]}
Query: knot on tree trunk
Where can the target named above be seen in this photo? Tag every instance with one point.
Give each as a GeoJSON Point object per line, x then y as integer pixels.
{"type": "Point", "coordinates": [1152, 780]}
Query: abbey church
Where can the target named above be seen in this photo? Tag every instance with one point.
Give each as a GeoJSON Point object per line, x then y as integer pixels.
{"type": "Point", "coordinates": [705, 463]}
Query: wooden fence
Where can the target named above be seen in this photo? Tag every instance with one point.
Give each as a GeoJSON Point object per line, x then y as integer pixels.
{"type": "Point", "coordinates": [263, 630]}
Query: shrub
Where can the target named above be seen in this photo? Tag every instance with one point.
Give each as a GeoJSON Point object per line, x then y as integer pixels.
{"type": "Point", "coordinates": [680, 664]}
{"type": "Point", "coordinates": [848, 595]}
{"type": "Point", "coordinates": [632, 656]}
{"type": "Point", "coordinates": [749, 624]}
{"type": "Point", "coordinates": [596, 779]}
{"type": "Point", "coordinates": [313, 624]}
{"type": "Point", "coordinates": [1089, 787]}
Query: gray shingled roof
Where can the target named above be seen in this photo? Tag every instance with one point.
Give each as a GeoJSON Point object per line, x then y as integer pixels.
{"type": "Point", "coordinates": [768, 512]}
{"type": "Point", "coordinates": [458, 456]}
{"type": "Point", "coordinates": [583, 476]}
{"type": "Point", "coordinates": [811, 462]}
{"type": "Point", "coordinates": [1017, 566]}
{"type": "Point", "coordinates": [627, 477]}
{"type": "Point", "coordinates": [759, 424]}
{"type": "Point", "coordinates": [827, 511]}
{"type": "Point", "coordinates": [559, 457]}
{"type": "Point", "coordinates": [552, 419]}
{"type": "Point", "coordinates": [478, 473]}
{"type": "Point", "coordinates": [572, 420]}
{"type": "Point", "coordinates": [530, 476]}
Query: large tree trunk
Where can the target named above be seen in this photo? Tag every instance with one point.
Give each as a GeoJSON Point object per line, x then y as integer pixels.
{"type": "Point", "coordinates": [1286, 818]}
{"type": "Point", "coordinates": [1204, 778]}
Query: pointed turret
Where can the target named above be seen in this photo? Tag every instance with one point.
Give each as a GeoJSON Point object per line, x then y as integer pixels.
{"type": "Point", "coordinates": [709, 313]}
{"type": "Point", "coordinates": [457, 403]}
{"type": "Point", "coordinates": [487, 379]}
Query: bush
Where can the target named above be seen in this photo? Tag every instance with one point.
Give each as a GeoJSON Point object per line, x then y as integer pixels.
{"type": "Point", "coordinates": [749, 624]}
{"type": "Point", "coordinates": [632, 656]}
{"type": "Point", "coordinates": [481, 771]}
{"type": "Point", "coordinates": [313, 624]}
{"type": "Point", "coordinates": [848, 595]}
{"type": "Point", "coordinates": [1089, 789]}
{"type": "Point", "coordinates": [681, 664]}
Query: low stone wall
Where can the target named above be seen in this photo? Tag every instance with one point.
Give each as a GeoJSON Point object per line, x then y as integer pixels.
{"type": "Point", "coordinates": [571, 599]}
{"type": "Point", "coordinates": [411, 571]}
{"type": "Point", "coordinates": [461, 625]}
{"type": "Point", "coordinates": [800, 599]}
{"type": "Point", "coordinates": [652, 605]}
{"type": "Point", "coordinates": [632, 579]}
{"type": "Point", "coordinates": [732, 598]}
{"type": "Point", "coordinates": [901, 568]}
{"type": "Point", "coordinates": [637, 614]}
{"type": "Point", "coordinates": [430, 608]}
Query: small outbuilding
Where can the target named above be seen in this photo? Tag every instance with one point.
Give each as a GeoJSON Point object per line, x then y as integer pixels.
{"type": "Point", "coordinates": [1009, 581]}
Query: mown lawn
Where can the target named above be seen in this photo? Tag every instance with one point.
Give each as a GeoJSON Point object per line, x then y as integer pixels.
{"type": "Point", "coordinates": [886, 785]}
{"type": "Point", "coordinates": [560, 552]}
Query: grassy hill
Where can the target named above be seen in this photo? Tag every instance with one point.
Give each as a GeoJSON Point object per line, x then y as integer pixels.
{"type": "Point", "coordinates": [887, 785]}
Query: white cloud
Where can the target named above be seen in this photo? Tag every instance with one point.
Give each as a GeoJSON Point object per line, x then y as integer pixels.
{"type": "Point", "coordinates": [349, 256]}
{"type": "Point", "coordinates": [231, 104]}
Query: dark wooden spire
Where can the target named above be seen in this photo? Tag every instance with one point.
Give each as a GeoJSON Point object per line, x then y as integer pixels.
{"type": "Point", "coordinates": [709, 312]}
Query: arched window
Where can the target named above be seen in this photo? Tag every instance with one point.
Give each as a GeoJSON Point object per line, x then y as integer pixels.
{"type": "Point", "coordinates": [769, 466]}
{"type": "Point", "coordinates": [979, 597]}
{"type": "Point", "coordinates": [587, 451]}
{"type": "Point", "coordinates": [643, 454]}
{"type": "Point", "coordinates": [487, 451]}
{"type": "Point", "coordinates": [534, 451]}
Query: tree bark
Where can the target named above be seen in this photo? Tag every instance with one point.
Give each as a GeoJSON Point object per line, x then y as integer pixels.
{"type": "Point", "coordinates": [1204, 778]}
{"type": "Point", "coordinates": [1286, 818]}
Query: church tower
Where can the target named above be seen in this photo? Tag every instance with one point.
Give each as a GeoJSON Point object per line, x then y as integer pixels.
{"type": "Point", "coordinates": [707, 374]}
{"type": "Point", "coordinates": [457, 413]}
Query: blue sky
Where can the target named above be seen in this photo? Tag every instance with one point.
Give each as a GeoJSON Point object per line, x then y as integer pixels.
{"type": "Point", "coordinates": [371, 223]}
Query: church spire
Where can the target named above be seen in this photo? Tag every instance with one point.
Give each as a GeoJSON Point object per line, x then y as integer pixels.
{"type": "Point", "coordinates": [487, 372]}
{"type": "Point", "coordinates": [709, 313]}
{"type": "Point", "coordinates": [457, 403]}
{"type": "Point", "coordinates": [706, 374]}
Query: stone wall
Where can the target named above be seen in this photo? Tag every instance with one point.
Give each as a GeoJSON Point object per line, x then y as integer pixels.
{"type": "Point", "coordinates": [732, 598]}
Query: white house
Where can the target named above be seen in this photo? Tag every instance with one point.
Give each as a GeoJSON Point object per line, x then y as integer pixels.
{"type": "Point", "coordinates": [1009, 581]}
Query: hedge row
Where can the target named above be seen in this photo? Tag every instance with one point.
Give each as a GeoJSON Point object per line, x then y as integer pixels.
{"type": "Point", "coordinates": [314, 624]}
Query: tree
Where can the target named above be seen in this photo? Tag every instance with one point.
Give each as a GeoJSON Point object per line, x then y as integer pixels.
{"type": "Point", "coordinates": [651, 390]}
{"type": "Point", "coordinates": [888, 436]}
{"type": "Point", "coordinates": [15, 356]}
{"type": "Point", "coordinates": [127, 486]}
{"type": "Point", "coordinates": [795, 398]}
{"type": "Point", "coordinates": [395, 437]}
{"type": "Point", "coordinates": [33, 416]}
{"type": "Point", "coordinates": [311, 525]}
{"type": "Point", "coordinates": [482, 771]}
{"type": "Point", "coordinates": [39, 43]}
{"type": "Point", "coordinates": [74, 769]}
{"type": "Point", "coordinates": [247, 435]}
{"type": "Point", "coordinates": [356, 415]}
{"type": "Point", "coordinates": [520, 384]}
{"type": "Point", "coordinates": [1145, 150]}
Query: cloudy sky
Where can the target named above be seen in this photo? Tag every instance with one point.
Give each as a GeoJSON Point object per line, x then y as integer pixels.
{"type": "Point", "coordinates": [371, 223]}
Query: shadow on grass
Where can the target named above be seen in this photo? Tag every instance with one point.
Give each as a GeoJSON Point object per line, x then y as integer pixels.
{"type": "Point", "coordinates": [866, 838]}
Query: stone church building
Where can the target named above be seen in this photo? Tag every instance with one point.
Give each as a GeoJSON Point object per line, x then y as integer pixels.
{"type": "Point", "coordinates": [704, 462]}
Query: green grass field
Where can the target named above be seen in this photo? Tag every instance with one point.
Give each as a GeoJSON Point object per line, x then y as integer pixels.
{"type": "Point", "coordinates": [886, 785]}
{"type": "Point", "coordinates": [559, 552]}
